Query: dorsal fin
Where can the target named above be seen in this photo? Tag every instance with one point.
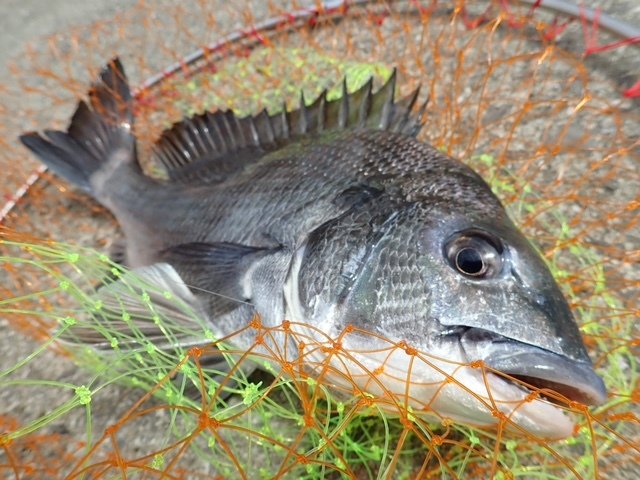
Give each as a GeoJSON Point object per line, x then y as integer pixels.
{"type": "Point", "coordinates": [208, 147]}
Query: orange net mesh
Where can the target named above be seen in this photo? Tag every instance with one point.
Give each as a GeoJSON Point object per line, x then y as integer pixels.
{"type": "Point", "coordinates": [552, 132]}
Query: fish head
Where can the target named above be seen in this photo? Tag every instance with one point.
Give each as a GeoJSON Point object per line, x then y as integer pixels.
{"type": "Point", "coordinates": [498, 299]}
{"type": "Point", "coordinates": [451, 276]}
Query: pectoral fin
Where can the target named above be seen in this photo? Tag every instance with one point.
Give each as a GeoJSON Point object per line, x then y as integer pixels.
{"type": "Point", "coordinates": [218, 272]}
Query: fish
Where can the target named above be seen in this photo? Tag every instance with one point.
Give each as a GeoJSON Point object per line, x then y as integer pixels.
{"type": "Point", "coordinates": [335, 218]}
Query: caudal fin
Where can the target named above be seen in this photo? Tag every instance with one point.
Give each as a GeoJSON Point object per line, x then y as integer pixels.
{"type": "Point", "coordinates": [99, 133]}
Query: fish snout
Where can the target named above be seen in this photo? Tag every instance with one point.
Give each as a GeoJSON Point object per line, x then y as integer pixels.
{"type": "Point", "coordinates": [576, 380]}
{"type": "Point", "coordinates": [553, 306]}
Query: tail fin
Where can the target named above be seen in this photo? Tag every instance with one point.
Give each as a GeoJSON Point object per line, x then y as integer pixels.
{"type": "Point", "coordinates": [97, 135]}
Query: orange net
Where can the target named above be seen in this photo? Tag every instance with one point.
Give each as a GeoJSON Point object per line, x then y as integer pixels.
{"type": "Point", "coordinates": [511, 94]}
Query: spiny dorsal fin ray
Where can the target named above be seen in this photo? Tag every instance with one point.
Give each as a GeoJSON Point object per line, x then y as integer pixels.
{"type": "Point", "coordinates": [209, 147]}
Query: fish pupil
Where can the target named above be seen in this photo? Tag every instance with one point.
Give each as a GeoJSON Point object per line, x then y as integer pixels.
{"type": "Point", "coordinates": [469, 261]}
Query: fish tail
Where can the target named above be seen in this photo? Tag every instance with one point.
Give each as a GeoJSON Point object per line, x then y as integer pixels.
{"type": "Point", "coordinates": [99, 137]}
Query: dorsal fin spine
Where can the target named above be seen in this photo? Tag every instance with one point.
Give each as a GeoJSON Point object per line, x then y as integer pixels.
{"type": "Point", "coordinates": [229, 139]}
{"type": "Point", "coordinates": [387, 107]}
{"type": "Point", "coordinates": [343, 115]}
{"type": "Point", "coordinates": [174, 151]}
{"type": "Point", "coordinates": [212, 133]}
{"type": "Point", "coordinates": [284, 119]}
{"type": "Point", "coordinates": [217, 144]}
{"type": "Point", "coordinates": [413, 97]}
{"type": "Point", "coordinates": [365, 103]}
{"type": "Point", "coordinates": [422, 111]}
{"type": "Point", "coordinates": [223, 147]}
{"type": "Point", "coordinates": [303, 118]}
{"type": "Point", "coordinates": [189, 146]}
{"type": "Point", "coordinates": [255, 136]}
{"type": "Point", "coordinates": [322, 110]}
{"type": "Point", "coordinates": [203, 134]}
{"type": "Point", "coordinates": [263, 117]}
{"type": "Point", "coordinates": [173, 156]}
{"type": "Point", "coordinates": [238, 124]}
{"type": "Point", "coordinates": [404, 117]}
{"type": "Point", "coordinates": [194, 137]}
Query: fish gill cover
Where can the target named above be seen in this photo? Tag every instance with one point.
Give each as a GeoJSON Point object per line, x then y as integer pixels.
{"type": "Point", "coordinates": [512, 94]}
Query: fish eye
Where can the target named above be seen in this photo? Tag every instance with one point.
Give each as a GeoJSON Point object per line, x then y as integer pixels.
{"type": "Point", "coordinates": [474, 254]}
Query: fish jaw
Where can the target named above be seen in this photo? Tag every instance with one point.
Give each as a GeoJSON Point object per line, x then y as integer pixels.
{"type": "Point", "coordinates": [575, 380]}
{"type": "Point", "coordinates": [397, 379]}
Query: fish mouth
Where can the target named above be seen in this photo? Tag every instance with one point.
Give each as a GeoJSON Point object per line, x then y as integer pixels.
{"type": "Point", "coordinates": [541, 369]}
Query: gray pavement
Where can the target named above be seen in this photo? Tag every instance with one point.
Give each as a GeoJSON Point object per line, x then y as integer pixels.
{"type": "Point", "coordinates": [26, 20]}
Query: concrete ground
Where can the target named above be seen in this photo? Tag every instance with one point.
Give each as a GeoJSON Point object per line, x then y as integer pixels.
{"type": "Point", "coordinates": [23, 21]}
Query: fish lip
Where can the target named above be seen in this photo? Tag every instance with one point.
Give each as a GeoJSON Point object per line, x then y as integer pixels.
{"type": "Point", "coordinates": [577, 381]}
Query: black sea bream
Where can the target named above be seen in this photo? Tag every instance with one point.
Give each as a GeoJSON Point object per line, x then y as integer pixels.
{"type": "Point", "coordinates": [335, 215]}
